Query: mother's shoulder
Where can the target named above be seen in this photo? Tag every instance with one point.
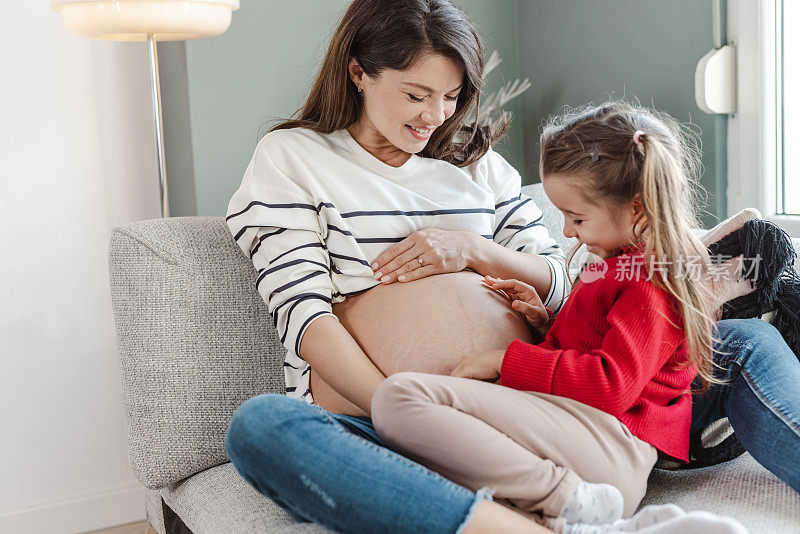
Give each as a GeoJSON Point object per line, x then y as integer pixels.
{"type": "Point", "coordinates": [491, 167]}
{"type": "Point", "coordinates": [491, 159]}
{"type": "Point", "coordinates": [293, 139]}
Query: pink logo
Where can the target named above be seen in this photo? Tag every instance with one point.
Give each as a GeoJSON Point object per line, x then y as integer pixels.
{"type": "Point", "coordinates": [594, 272]}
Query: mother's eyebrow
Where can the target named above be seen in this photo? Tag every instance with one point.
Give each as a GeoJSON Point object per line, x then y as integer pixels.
{"type": "Point", "coordinates": [426, 88]}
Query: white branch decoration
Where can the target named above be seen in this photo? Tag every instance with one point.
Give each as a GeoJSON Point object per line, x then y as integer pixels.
{"type": "Point", "coordinates": [493, 61]}
{"type": "Point", "coordinates": [495, 101]}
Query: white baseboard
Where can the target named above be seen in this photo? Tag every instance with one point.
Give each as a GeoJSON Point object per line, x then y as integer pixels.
{"type": "Point", "coordinates": [92, 512]}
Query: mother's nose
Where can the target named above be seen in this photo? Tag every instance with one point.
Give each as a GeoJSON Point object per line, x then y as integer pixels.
{"type": "Point", "coordinates": [434, 116]}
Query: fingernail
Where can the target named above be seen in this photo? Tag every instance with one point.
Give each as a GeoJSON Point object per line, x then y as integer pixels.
{"type": "Point", "coordinates": [385, 278]}
{"type": "Point", "coordinates": [378, 275]}
{"type": "Point", "coordinates": [401, 278]}
{"type": "Point", "coordinates": [374, 266]}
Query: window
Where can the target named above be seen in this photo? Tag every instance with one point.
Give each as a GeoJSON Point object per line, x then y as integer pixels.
{"type": "Point", "coordinates": [788, 83]}
{"type": "Point", "coordinates": [764, 133]}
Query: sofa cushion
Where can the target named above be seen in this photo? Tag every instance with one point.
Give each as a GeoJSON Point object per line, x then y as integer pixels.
{"type": "Point", "coordinates": [220, 501]}
{"type": "Point", "coordinates": [740, 488]}
{"type": "Point", "coordinates": [195, 341]}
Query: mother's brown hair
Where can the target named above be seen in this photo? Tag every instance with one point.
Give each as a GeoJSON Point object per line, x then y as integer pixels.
{"type": "Point", "coordinates": [392, 34]}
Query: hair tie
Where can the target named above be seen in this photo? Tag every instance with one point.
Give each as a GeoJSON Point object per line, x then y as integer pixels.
{"type": "Point", "coordinates": [595, 153]}
{"type": "Point", "coordinates": [636, 135]}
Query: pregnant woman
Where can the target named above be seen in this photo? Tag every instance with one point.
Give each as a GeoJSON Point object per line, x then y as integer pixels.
{"type": "Point", "coordinates": [371, 219]}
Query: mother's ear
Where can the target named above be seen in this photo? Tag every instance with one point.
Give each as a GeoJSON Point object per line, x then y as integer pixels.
{"type": "Point", "coordinates": [355, 71]}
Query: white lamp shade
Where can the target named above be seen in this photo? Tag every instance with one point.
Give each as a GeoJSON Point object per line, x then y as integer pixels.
{"type": "Point", "coordinates": [133, 20]}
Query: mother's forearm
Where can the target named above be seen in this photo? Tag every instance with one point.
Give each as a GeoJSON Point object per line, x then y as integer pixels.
{"type": "Point", "coordinates": [341, 363]}
{"type": "Point", "coordinates": [488, 257]}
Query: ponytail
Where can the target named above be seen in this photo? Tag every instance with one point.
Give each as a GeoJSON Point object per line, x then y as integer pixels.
{"type": "Point", "coordinates": [667, 237]}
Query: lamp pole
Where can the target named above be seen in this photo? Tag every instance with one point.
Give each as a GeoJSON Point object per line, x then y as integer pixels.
{"type": "Point", "coordinates": [134, 20]}
{"type": "Point", "coordinates": [155, 91]}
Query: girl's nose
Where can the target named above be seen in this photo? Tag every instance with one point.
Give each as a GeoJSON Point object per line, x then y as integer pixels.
{"type": "Point", "coordinates": [569, 231]}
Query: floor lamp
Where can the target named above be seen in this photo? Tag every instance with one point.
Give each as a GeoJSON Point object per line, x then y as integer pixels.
{"type": "Point", "coordinates": [151, 21]}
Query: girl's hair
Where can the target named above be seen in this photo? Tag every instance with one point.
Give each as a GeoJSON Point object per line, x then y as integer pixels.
{"type": "Point", "coordinates": [595, 148]}
{"type": "Point", "coordinates": [393, 34]}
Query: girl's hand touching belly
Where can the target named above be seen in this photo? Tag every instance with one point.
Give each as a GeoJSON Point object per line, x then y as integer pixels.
{"type": "Point", "coordinates": [426, 325]}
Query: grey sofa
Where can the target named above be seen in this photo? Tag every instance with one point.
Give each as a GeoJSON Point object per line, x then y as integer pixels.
{"type": "Point", "coordinates": [195, 341]}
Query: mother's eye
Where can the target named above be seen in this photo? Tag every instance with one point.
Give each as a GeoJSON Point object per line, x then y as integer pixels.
{"type": "Point", "coordinates": [420, 99]}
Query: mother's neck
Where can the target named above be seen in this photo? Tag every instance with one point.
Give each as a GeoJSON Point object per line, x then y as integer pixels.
{"type": "Point", "coordinates": [376, 144]}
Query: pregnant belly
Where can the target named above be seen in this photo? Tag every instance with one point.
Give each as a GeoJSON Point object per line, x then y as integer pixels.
{"type": "Point", "coordinates": [425, 325]}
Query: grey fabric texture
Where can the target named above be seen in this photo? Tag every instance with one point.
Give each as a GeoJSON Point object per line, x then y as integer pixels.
{"type": "Point", "coordinates": [153, 511]}
{"type": "Point", "coordinates": [740, 488]}
{"type": "Point", "coordinates": [219, 501]}
{"type": "Point", "coordinates": [195, 341]}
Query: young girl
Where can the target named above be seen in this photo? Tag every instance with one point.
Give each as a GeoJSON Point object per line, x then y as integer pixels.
{"type": "Point", "coordinates": [583, 416]}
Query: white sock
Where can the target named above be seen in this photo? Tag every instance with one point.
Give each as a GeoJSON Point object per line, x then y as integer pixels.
{"type": "Point", "coordinates": [648, 517]}
{"type": "Point", "coordinates": [664, 519]}
{"type": "Point", "coordinates": [594, 504]}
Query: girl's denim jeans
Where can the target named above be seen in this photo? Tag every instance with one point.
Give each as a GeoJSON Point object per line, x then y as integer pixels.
{"type": "Point", "coordinates": [334, 469]}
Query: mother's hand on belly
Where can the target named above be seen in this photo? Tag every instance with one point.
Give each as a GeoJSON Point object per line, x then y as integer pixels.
{"type": "Point", "coordinates": [441, 251]}
{"type": "Point", "coordinates": [425, 326]}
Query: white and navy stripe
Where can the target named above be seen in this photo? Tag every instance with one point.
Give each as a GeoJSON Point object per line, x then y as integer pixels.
{"type": "Point", "coordinates": [314, 210]}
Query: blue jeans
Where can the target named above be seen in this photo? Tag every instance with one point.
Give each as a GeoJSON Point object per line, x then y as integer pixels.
{"type": "Point", "coordinates": [761, 398]}
{"type": "Point", "coordinates": [334, 470]}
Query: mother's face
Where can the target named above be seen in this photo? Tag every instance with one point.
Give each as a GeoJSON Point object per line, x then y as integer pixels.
{"type": "Point", "coordinates": [404, 107]}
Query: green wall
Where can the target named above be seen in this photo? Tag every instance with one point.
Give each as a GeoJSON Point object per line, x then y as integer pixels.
{"type": "Point", "coordinates": [574, 51]}
{"type": "Point", "coordinates": [577, 51]}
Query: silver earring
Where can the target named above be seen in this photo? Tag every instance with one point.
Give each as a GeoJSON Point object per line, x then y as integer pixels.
{"type": "Point", "coordinates": [360, 90]}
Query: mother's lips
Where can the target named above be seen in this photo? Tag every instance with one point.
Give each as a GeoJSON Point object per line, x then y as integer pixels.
{"type": "Point", "coordinates": [421, 135]}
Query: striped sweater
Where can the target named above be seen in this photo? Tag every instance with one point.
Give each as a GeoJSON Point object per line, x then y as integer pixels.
{"type": "Point", "coordinates": [314, 210]}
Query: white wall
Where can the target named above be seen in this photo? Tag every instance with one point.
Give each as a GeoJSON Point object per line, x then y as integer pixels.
{"type": "Point", "coordinates": [77, 157]}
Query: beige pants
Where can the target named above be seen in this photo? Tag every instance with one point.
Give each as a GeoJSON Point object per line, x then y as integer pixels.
{"type": "Point", "coordinates": [532, 449]}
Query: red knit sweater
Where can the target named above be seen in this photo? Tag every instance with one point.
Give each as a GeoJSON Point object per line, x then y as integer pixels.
{"type": "Point", "coordinates": [613, 347]}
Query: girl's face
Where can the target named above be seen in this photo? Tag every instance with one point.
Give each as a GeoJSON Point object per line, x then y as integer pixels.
{"type": "Point", "coordinates": [402, 108]}
{"type": "Point", "coordinates": [605, 229]}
